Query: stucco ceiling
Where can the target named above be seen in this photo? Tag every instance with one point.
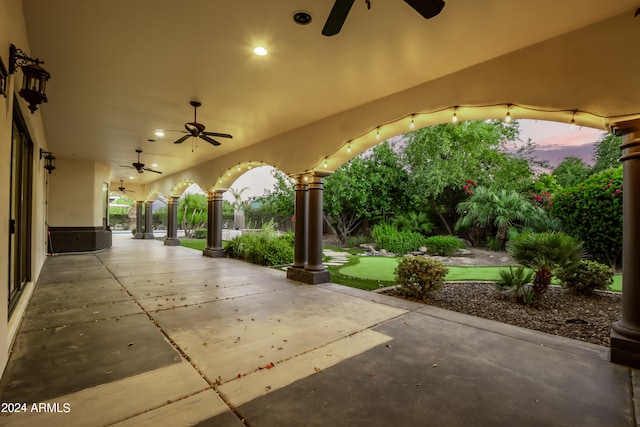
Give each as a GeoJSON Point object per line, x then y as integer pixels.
{"type": "Point", "coordinates": [121, 69]}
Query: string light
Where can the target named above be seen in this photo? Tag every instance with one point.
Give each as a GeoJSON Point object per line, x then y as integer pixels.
{"type": "Point", "coordinates": [454, 119]}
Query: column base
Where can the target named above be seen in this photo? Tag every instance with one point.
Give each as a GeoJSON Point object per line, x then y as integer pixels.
{"type": "Point", "coordinates": [213, 253]}
{"type": "Point", "coordinates": [307, 276]}
{"type": "Point", "coordinates": [149, 236]}
{"type": "Point", "coordinates": [138, 236]}
{"type": "Point", "coordinates": [624, 350]}
{"type": "Point", "coordinates": [172, 241]}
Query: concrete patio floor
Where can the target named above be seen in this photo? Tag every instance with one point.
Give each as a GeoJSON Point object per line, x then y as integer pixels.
{"type": "Point", "coordinates": [149, 335]}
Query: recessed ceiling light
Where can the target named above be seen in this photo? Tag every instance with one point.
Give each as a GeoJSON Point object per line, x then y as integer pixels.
{"type": "Point", "coordinates": [155, 165]}
{"type": "Point", "coordinates": [302, 18]}
{"type": "Point", "coordinates": [259, 50]}
{"type": "Point", "coordinates": [159, 132]}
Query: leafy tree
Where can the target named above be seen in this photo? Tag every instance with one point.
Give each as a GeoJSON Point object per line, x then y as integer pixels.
{"type": "Point", "coordinates": [160, 218]}
{"type": "Point", "coordinates": [502, 210]}
{"type": "Point", "coordinates": [238, 204]}
{"type": "Point", "coordinates": [369, 186]}
{"type": "Point", "coordinates": [571, 171]}
{"type": "Point", "coordinates": [607, 153]}
{"type": "Point", "coordinates": [545, 252]}
{"type": "Point", "coordinates": [592, 212]}
{"type": "Point", "coordinates": [192, 213]}
{"type": "Point", "coordinates": [441, 159]}
{"type": "Point", "coordinates": [281, 199]}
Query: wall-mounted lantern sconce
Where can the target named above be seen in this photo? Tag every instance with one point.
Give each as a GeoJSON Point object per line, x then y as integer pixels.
{"type": "Point", "coordinates": [3, 79]}
{"type": "Point", "coordinates": [49, 160]}
{"type": "Point", "coordinates": [35, 77]}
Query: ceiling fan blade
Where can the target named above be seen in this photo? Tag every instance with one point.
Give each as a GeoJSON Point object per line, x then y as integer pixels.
{"type": "Point", "coordinates": [336, 18]}
{"type": "Point", "coordinates": [209, 140]}
{"type": "Point", "coordinates": [183, 139]}
{"type": "Point", "coordinates": [149, 170]}
{"type": "Point", "coordinates": [126, 166]}
{"type": "Point", "coordinates": [427, 8]}
{"type": "Point", "coordinates": [221, 135]}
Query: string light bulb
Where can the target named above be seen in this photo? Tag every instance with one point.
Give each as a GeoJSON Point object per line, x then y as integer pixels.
{"type": "Point", "coordinates": [412, 124]}
{"type": "Point", "coordinates": [378, 132]}
{"type": "Point", "coordinates": [325, 163]}
{"type": "Point", "coordinates": [349, 147]}
{"type": "Point", "coordinates": [508, 117]}
{"type": "Point", "coordinates": [454, 119]}
{"type": "Point", "coordinates": [573, 120]}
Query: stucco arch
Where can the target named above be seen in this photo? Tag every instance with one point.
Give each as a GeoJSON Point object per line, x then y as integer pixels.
{"type": "Point", "coordinates": [231, 175]}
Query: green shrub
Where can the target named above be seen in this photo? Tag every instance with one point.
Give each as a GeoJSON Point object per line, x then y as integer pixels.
{"type": "Point", "coordinates": [200, 233]}
{"type": "Point", "coordinates": [443, 245]}
{"type": "Point", "coordinates": [584, 277]}
{"type": "Point", "coordinates": [400, 242]}
{"type": "Point", "coordinates": [592, 212]}
{"type": "Point", "coordinates": [263, 249]}
{"type": "Point", "coordinates": [517, 283]}
{"type": "Point", "coordinates": [418, 275]}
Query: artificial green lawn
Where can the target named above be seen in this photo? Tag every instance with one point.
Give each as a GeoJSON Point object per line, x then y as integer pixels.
{"type": "Point", "coordinates": [367, 272]}
{"type": "Point", "coordinates": [198, 244]}
{"type": "Point", "coordinates": [381, 269]}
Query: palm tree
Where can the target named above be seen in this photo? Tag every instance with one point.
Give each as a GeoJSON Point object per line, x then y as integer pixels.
{"type": "Point", "coordinates": [544, 252]}
{"type": "Point", "coordinates": [502, 209]}
{"type": "Point", "coordinates": [238, 206]}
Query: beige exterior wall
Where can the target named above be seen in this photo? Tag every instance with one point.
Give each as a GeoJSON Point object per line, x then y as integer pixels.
{"type": "Point", "coordinates": [12, 30]}
{"type": "Point", "coordinates": [75, 193]}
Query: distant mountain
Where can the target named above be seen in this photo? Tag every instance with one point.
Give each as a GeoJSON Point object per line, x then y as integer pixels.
{"type": "Point", "coordinates": [555, 155]}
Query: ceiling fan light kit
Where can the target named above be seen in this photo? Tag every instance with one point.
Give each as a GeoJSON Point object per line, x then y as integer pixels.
{"type": "Point", "coordinates": [195, 129]}
{"type": "Point", "coordinates": [138, 166]}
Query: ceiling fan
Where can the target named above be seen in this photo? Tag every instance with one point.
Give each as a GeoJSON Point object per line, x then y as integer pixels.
{"type": "Point", "coordinates": [427, 8]}
{"type": "Point", "coordinates": [122, 189]}
{"type": "Point", "coordinates": [196, 129]}
{"type": "Point", "coordinates": [139, 166]}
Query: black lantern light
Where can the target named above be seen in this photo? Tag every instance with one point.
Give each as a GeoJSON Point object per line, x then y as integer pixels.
{"type": "Point", "coordinates": [35, 77]}
{"type": "Point", "coordinates": [49, 160]}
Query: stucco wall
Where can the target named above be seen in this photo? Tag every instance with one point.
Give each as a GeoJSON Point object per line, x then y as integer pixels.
{"type": "Point", "coordinates": [12, 31]}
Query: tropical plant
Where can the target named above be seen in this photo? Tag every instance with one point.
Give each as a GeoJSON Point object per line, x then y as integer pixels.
{"type": "Point", "coordinates": [516, 282]}
{"type": "Point", "coordinates": [442, 158]}
{"type": "Point", "coordinates": [592, 212]}
{"type": "Point", "coordinates": [192, 212]}
{"type": "Point", "coordinates": [417, 222]}
{"type": "Point", "coordinates": [545, 252]}
{"type": "Point", "coordinates": [501, 209]}
{"type": "Point", "coordinates": [418, 275]}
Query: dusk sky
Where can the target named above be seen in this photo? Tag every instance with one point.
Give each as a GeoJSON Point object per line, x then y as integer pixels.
{"type": "Point", "coordinates": [554, 141]}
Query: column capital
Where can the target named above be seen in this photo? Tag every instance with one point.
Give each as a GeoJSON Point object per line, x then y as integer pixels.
{"type": "Point", "coordinates": [626, 127]}
{"type": "Point", "coordinates": [215, 195]}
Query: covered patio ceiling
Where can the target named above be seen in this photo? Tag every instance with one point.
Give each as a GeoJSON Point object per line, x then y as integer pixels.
{"type": "Point", "coordinates": [120, 70]}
